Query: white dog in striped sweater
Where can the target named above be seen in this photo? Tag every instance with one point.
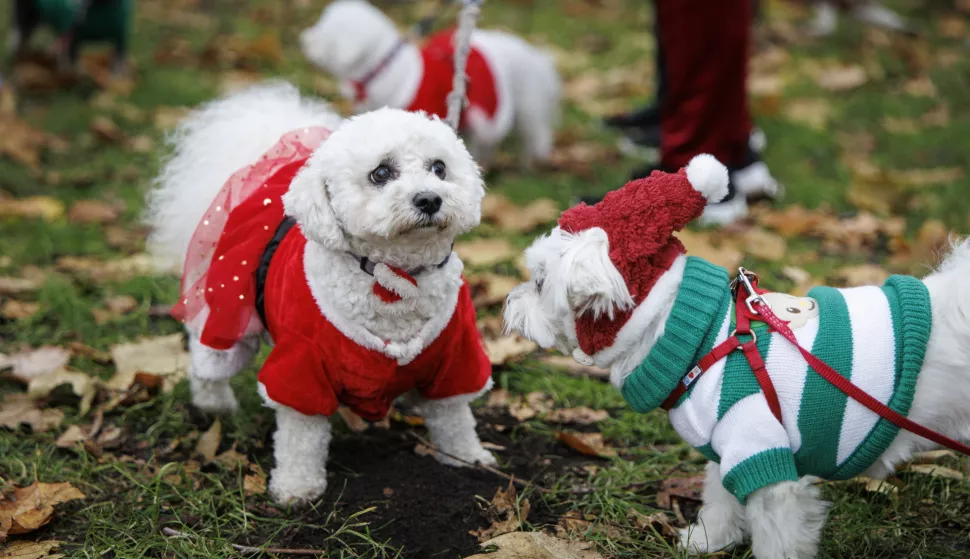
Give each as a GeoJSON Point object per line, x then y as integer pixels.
{"type": "Point", "coordinates": [613, 286]}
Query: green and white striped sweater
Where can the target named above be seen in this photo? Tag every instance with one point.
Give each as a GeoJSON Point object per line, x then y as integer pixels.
{"type": "Point", "coordinates": [875, 336]}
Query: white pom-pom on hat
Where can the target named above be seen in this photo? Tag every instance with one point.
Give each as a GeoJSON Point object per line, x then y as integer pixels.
{"type": "Point", "coordinates": [708, 176]}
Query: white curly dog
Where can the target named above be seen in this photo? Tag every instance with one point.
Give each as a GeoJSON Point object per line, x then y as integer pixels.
{"type": "Point", "coordinates": [366, 276]}
{"type": "Point", "coordinates": [513, 85]}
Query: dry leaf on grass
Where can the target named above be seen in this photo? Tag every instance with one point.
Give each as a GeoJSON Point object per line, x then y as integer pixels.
{"type": "Point", "coordinates": [936, 471]}
{"type": "Point", "coordinates": [813, 113]}
{"type": "Point", "coordinates": [490, 289]}
{"type": "Point", "coordinates": [861, 275]}
{"type": "Point", "coordinates": [15, 286]}
{"type": "Point", "coordinates": [764, 244]}
{"type": "Point", "coordinates": [107, 270]}
{"type": "Point", "coordinates": [792, 221]}
{"type": "Point", "coordinates": [657, 521]}
{"type": "Point", "coordinates": [13, 309]}
{"type": "Point", "coordinates": [21, 142]}
{"type": "Point", "coordinates": [83, 386]}
{"type": "Point", "coordinates": [40, 207]}
{"type": "Point", "coordinates": [502, 212]}
{"type": "Point", "coordinates": [33, 506]}
{"type": "Point", "coordinates": [354, 422]}
{"type": "Point", "coordinates": [485, 252]}
{"type": "Point", "coordinates": [506, 514]}
{"type": "Point", "coordinates": [141, 144]}
{"type": "Point", "coordinates": [573, 368]}
{"type": "Point", "coordinates": [93, 211]}
{"type": "Point", "coordinates": [930, 456]}
{"type": "Point", "coordinates": [590, 444]}
{"type": "Point", "coordinates": [581, 415]}
{"type": "Point", "coordinates": [167, 118]}
{"type": "Point", "coordinates": [802, 279]}
{"type": "Point", "coordinates": [673, 488]}
{"type": "Point", "coordinates": [876, 485]}
{"type": "Point", "coordinates": [700, 244]}
{"type": "Point", "coordinates": [952, 26]}
{"type": "Point", "coordinates": [927, 177]}
{"type": "Point", "coordinates": [30, 550]}
{"type": "Point", "coordinates": [254, 484]}
{"type": "Point", "coordinates": [105, 130]}
{"type": "Point", "coordinates": [526, 407]}
{"type": "Point", "coordinates": [508, 348]}
{"type": "Point", "coordinates": [536, 545]}
{"type": "Point", "coordinates": [17, 409]}
{"type": "Point", "coordinates": [841, 77]}
{"type": "Point", "coordinates": [33, 363]}
{"type": "Point", "coordinates": [208, 443]}
{"type": "Point", "coordinates": [163, 357]}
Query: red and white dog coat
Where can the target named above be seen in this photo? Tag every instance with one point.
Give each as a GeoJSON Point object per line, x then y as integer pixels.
{"type": "Point", "coordinates": [315, 365]}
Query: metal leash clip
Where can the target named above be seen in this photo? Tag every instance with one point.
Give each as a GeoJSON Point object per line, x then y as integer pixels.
{"type": "Point", "coordinates": [744, 279]}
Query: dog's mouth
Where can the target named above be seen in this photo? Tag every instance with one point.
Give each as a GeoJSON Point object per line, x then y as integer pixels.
{"type": "Point", "coordinates": [437, 224]}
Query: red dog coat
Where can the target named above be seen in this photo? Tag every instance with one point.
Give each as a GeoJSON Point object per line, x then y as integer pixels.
{"type": "Point", "coordinates": [314, 366]}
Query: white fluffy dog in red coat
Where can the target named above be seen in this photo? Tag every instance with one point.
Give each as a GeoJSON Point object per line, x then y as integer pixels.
{"type": "Point", "coordinates": [362, 298]}
{"type": "Point", "coordinates": [512, 84]}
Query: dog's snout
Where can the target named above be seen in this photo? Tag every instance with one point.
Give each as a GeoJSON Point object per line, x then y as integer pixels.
{"type": "Point", "coordinates": [427, 202]}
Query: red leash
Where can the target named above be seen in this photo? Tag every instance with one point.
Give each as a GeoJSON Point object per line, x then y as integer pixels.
{"type": "Point", "coordinates": [752, 300]}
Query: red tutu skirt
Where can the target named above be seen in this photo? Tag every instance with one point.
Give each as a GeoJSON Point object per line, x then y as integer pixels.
{"type": "Point", "coordinates": [219, 277]}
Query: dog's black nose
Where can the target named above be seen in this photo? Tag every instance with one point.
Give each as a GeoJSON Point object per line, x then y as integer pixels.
{"type": "Point", "coordinates": [427, 202]}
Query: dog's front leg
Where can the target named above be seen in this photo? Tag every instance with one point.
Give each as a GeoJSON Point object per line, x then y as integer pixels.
{"type": "Point", "coordinates": [211, 370]}
{"type": "Point", "coordinates": [300, 445]}
{"type": "Point", "coordinates": [452, 427]}
{"type": "Point", "coordinates": [786, 520]}
{"type": "Point", "coordinates": [720, 524]}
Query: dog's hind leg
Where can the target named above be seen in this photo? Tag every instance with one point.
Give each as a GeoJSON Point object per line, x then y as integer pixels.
{"type": "Point", "coordinates": [452, 427]}
{"type": "Point", "coordinates": [720, 524]}
{"type": "Point", "coordinates": [301, 445]}
{"type": "Point", "coordinates": [786, 519]}
{"type": "Point", "coordinates": [211, 370]}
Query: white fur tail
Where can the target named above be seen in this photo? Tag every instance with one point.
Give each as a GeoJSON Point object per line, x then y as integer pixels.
{"type": "Point", "coordinates": [211, 144]}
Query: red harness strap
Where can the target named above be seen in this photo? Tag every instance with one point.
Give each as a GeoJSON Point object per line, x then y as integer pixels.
{"type": "Point", "coordinates": [765, 314]}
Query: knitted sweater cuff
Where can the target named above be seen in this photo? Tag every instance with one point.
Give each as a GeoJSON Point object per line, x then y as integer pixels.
{"type": "Point", "coordinates": [700, 300]}
{"type": "Point", "coordinates": [761, 470]}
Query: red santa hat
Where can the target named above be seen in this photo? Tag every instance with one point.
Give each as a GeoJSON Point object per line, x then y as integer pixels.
{"type": "Point", "coordinates": [624, 244]}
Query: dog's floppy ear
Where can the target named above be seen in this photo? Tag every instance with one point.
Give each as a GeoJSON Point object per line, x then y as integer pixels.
{"type": "Point", "coordinates": [588, 280]}
{"type": "Point", "coordinates": [308, 202]}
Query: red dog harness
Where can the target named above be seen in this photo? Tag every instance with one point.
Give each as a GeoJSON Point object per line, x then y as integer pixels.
{"type": "Point", "coordinates": [750, 305]}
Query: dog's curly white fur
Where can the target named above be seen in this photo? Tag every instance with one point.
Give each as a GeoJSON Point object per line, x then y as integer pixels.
{"type": "Point", "coordinates": [784, 519]}
{"type": "Point", "coordinates": [338, 210]}
{"type": "Point", "coordinates": [352, 37]}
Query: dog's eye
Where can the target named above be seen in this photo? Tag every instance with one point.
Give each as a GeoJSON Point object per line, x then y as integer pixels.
{"type": "Point", "coordinates": [380, 175]}
{"type": "Point", "coordinates": [438, 168]}
{"type": "Point", "coordinates": [793, 310]}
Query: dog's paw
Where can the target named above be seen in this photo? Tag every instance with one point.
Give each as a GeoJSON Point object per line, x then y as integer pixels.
{"type": "Point", "coordinates": [215, 397]}
{"type": "Point", "coordinates": [295, 489]}
{"type": "Point", "coordinates": [696, 541]}
{"type": "Point", "coordinates": [471, 456]}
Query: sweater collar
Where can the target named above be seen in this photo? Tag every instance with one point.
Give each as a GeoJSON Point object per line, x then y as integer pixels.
{"type": "Point", "coordinates": [702, 300]}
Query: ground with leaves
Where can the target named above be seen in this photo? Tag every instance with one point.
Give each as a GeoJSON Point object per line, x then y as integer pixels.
{"type": "Point", "coordinates": [101, 455]}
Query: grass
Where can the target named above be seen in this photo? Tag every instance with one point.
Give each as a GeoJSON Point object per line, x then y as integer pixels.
{"type": "Point", "coordinates": [148, 483]}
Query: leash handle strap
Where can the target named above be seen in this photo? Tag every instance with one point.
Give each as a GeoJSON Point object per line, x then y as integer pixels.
{"type": "Point", "coordinates": [852, 391]}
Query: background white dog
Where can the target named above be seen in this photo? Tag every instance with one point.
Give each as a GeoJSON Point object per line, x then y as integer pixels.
{"type": "Point", "coordinates": [340, 210]}
{"type": "Point", "coordinates": [575, 282]}
{"type": "Point", "coordinates": [356, 42]}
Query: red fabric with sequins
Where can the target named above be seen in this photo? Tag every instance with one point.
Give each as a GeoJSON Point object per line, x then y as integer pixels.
{"type": "Point", "coordinates": [314, 366]}
{"type": "Point", "coordinates": [219, 276]}
{"type": "Point", "coordinates": [640, 220]}
{"type": "Point", "coordinates": [438, 55]}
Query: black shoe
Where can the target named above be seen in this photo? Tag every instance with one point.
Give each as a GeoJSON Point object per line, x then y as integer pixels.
{"type": "Point", "coordinates": [644, 117]}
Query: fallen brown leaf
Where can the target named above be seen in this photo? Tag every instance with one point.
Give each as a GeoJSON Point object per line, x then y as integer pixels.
{"type": "Point", "coordinates": [163, 357]}
{"type": "Point", "coordinates": [83, 386]}
{"type": "Point", "coordinates": [813, 113]}
{"type": "Point", "coordinates": [502, 212]}
{"type": "Point", "coordinates": [876, 485]}
{"type": "Point", "coordinates": [802, 279]}
{"type": "Point", "coordinates": [536, 545]}
{"type": "Point", "coordinates": [508, 348]}
{"type": "Point", "coordinates": [13, 309]}
{"type": "Point", "coordinates": [485, 252]}
{"type": "Point", "coordinates": [578, 416]}
{"type": "Point", "coordinates": [932, 241]}
{"type": "Point", "coordinates": [657, 521]}
{"type": "Point", "coordinates": [532, 404]}
{"type": "Point", "coordinates": [590, 444]}
{"type": "Point", "coordinates": [689, 488]}
{"type": "Point", "coordinates": [33, 363]}
{"type": "Point", "coordinates": [93, 211]}
{"type": "Point", "coordinates": [30, 550]}
{"type": "Point", "coordinates": [105, 130]}
{"type": "Point", "coordinates": [141, 144]}
{"type": "Point", "coordinates": [167, 118]}
{"type": "Point", "coordinates": [37, 207]}
{"type": "Point", "coordinates": [952, 26]}
{"type": "Point", "coordinates": [861, 275]}
{"type": "Point", "coordinates": [490, 289]}
{"type": "Point", "coordinates": [841, 78]}
{"type": "Point", "coordinates": [572, 525]}
{"type": "Point", "coordinates": [33, 506]}
{"type": "Point", "coordinates": [793, 221]}
{"type": "Point", "coordinates": [936, 471]}
{"type": "Point", "coordinates": [21, 142]}
{"type": "Point", "coordinates": [18, 409]}
{"type": "Point", "coordinates": [764, 245]}
{"type": "Point", "coordinates": [254, 484]}
{"type": "Point", "coordinates": [353, 421]}
{"type": "Point", "coordinates": [208, 443]}
{"type": "Point", "coordinates": [700, 244]}
{"type": "Point", "coordinates": [16, 286]}
{"type": "Point", "coordinates": [573, 368]}
{"type": "Point", "coordinates": [928, 177]}
{"type": "Point", "coordinates": [506, 514]}
{"type": "Point", "coordinates": [930, 456]}
{"type": "Point", "coordinates": [120, 269]}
